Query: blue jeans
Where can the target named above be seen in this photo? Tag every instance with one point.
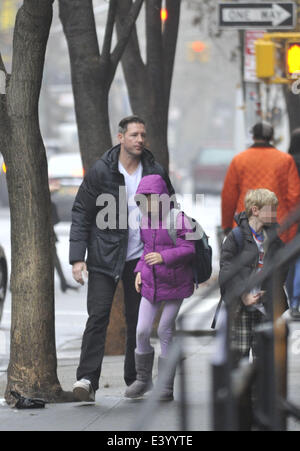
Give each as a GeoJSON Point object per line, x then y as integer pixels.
{"type": "Point", "coordinates": [293, 285]}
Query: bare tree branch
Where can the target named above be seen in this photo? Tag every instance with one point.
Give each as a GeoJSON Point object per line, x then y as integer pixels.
{"type": "Point", "coordinates": [92, 72]}
{"type": "Point", "coordinates": [78, 21]}
{"type": "Point", "coordinates": [153, 32]}
{"type": "Point", "coordinates": [110, 22]}
{"type": "Point", "coordinates": [155, 61]}
{"type": "Point", "coordinates": [148, 89]}
{"type": "Point", "coordinates": [125, 28]}
{"type": "Point", "coordinates": [170, 36]}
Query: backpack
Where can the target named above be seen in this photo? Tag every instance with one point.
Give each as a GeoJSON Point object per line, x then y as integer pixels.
{"type": "Point", "coordinates": [202, 264]}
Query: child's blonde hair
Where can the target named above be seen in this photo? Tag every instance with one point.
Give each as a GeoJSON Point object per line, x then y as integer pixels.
{"type": "Point", "coordinates": [259, 198]}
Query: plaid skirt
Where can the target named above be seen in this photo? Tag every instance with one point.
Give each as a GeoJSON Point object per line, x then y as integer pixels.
{"type": "Point", "coordinates": [242, 333]}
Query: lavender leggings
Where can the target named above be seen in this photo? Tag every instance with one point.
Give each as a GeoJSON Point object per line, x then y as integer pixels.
{"type": "Point", "coordinates": [147, 314]}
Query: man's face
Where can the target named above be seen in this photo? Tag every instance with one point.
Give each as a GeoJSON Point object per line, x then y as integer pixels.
{"type": "Point", "coordinates": [133, 140]}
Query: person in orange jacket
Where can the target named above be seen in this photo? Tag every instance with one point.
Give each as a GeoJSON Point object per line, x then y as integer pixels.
{"type": "Point", "coordinates": [261, 166]}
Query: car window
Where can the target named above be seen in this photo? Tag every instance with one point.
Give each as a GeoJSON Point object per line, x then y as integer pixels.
{"type": "Point", "coordinates": [216, 156]}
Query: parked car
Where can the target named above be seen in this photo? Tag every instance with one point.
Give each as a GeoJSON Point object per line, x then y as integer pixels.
{"type": "Point", "coordinates": [3, 279]}
{"type": "Point", "coordinates": [66, 172]}
{"type": "Point", "coordinates": [209, 169]}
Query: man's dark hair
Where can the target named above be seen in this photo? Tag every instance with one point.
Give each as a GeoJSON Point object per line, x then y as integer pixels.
{"type": "Point", "coordinates": [123, 125]}
{"type": "Point", "coordinates": [263, 131]}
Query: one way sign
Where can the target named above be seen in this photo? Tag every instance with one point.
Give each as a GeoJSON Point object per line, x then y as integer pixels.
{"type": "Point", "coordinates": [257, 15]}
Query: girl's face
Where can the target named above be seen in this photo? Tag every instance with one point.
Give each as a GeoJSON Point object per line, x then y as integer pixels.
{"type": "Point", "coordinates": [153, 203]}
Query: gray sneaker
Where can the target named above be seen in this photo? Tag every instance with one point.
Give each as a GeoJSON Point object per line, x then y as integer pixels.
{"type": "Point", "coordinates": [83, 391]}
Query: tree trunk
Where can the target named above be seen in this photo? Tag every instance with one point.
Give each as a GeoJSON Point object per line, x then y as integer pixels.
{"type": "Point", "coordinates": [90, 93]}
{"type": "Point", "coordinates": [32, 369]}
{"type": "Point", "coordinates": [149, 85]}
{"type": "Point", "coordinates": [92, 72]}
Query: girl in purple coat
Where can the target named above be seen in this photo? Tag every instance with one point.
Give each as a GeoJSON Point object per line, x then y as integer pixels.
{"type": "Point", "coordinates": [163, 274]}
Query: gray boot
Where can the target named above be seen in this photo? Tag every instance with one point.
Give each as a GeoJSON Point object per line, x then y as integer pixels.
{"type": "Point", "coordinates": [143, 383]}
{"type": "Point", "coordinates": [166, 393]}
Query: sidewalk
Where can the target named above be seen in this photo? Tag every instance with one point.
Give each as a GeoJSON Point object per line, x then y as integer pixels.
{"type": "Point", "coordinates": [112, 412]}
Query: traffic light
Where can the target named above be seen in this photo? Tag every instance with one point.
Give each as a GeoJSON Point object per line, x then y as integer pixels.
{"type": "Point", "coordinates": [265, 58]}
{"type": "Point", "coordinates": [198, 51]}
{"type": "Point", "coordinates": [292, 53]}
{"type": "Point", "coordinates": [278, 58]}
{"type": "Point", "coordinates": [163, 15]}
{"type": "Point", "coordinates": [198, 46]}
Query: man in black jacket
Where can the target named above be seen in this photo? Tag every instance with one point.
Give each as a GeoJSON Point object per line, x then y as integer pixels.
{"type": "Point", "coordinates": [114, 251]}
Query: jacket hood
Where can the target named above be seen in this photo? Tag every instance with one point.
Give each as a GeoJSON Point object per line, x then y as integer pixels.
{"type": "Point", "coordinates": [152, 184]}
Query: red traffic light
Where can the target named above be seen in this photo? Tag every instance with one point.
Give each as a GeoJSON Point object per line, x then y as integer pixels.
{"type": "Point", "coordinates": [198, 46]}
{"type": "Point", "coordinates": [163, 14]}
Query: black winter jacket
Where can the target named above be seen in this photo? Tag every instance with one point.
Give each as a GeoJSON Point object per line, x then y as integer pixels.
{"type": "Point", "coordinates": [248, 263]}
{"type": "Point", "coordinates": [107, 248]}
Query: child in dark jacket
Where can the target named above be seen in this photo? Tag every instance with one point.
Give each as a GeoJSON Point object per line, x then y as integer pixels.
{"type": "Point", "coordinates": [164, 273]}
{"type": "Point", "coordinates": [256, 225]}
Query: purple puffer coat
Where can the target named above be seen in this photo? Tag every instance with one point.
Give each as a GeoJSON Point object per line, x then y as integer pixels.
{"type": "Point", "coordinates": [173, 279]}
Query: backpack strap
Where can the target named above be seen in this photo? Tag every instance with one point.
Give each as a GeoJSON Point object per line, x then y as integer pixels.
{"type": "Point", "coordinates": [214, 322]}
{"type": "Point", "coordinates": [238, 238]}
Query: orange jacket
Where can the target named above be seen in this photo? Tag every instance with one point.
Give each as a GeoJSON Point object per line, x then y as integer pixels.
{"type": "Point", "coordinates": [261, 167]}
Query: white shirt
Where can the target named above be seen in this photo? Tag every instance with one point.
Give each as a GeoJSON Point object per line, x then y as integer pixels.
{"type": "Point", "coordinates": [135, 245]}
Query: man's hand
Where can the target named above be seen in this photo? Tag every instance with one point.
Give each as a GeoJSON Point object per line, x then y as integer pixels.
{"type": "Point", "coordinates": [153, 258]}
{"type": "Point", "coordinates": [138, 282]}
{"type": "Point", "coordinates": [78, 270]}
{"type": "Point", "coordinates": [252, 299]}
